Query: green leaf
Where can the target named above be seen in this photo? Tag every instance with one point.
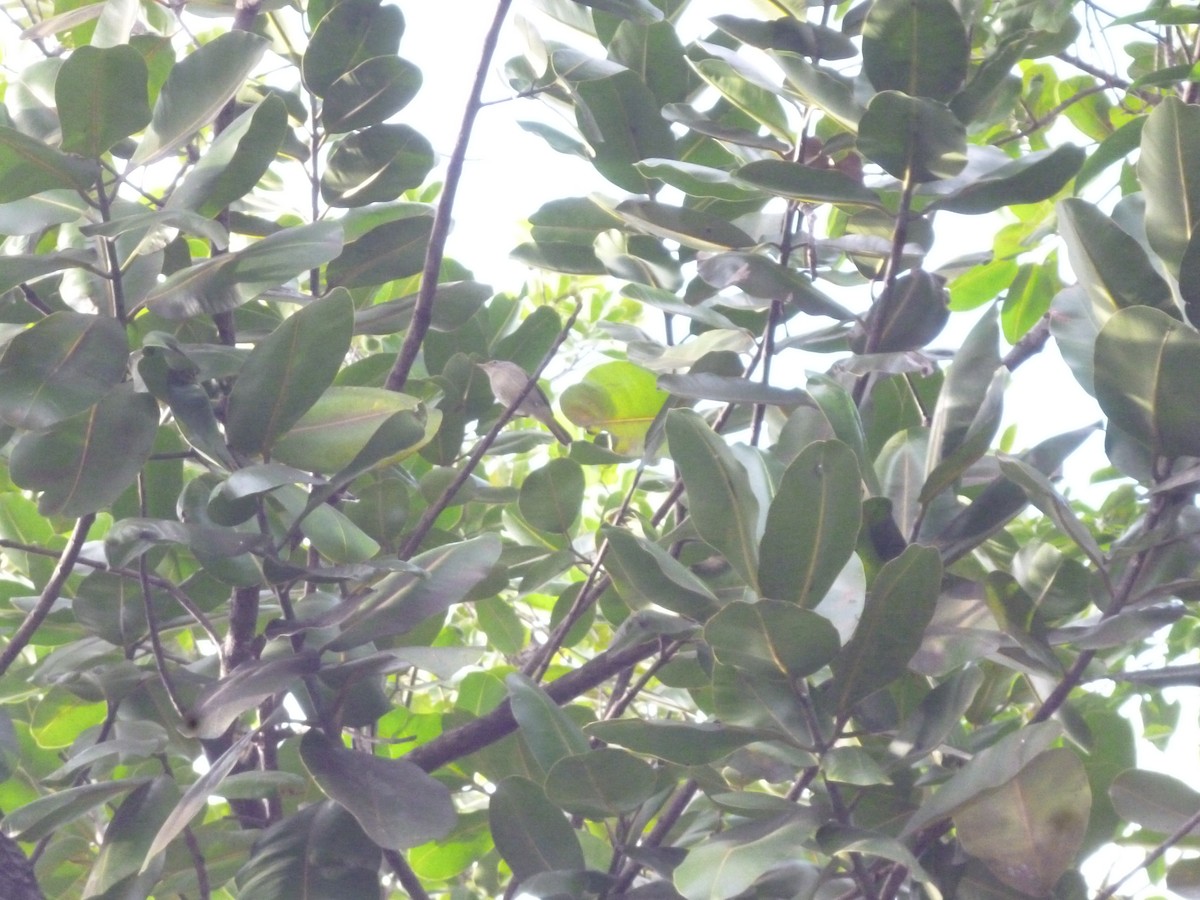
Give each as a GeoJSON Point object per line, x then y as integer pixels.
{"type": "Point", "coordinates": [974, 443]}
{"type": "Point", "coordinates": [1110, 264]}
{"type": "Point", "coordinates": [1043, 495]}
{"type": "Point", "coordinates": [807, 184]}
{"type": "Point", "coordinates": [722, 503]}
{"type": "Point", "coordinates": [1169, 172]}
{"type": "Point", "coordinates": [914, 309]}
{"type": "Point", "coordinates": [618, 397]}
{"type": "Point", "coordinates": [772, 635]}
{"type": "Point", "coordinates": [786, 33]}
{"type": "Point", "coordinates": [1030, 179]}
{"type": "Point", "coordinates": [912, 137]}
{"type": "Point", "coordinates": [351, 33]}
{"type": "Point", "coordinates": [1112, 149]}
{"type": "Point", "coordinates": [600, 783]}
{"type": "Point", "coordinates": [842, 412]}
{"type": "Point", "coordinates": [1153, 800]}
{"type": "Point", "coordinates": [812, 524]}
{"type": "Point", "coordinates": [340, 425]}
{"type": "Point", "coordinates": [683, 743]}
{"type": "Point", "coordinates": [130, 538]}
{"type": "Point", "coordinates": [549, 732]}
{"type": "Point", "coordinates": [401, 601]}
{"type": "Point", "coordinates": [728, 863]}
{"type": "Point", "coordinates": [919, 47]}
{"type": "Point", "coordinates": [128, 836]}
{"type": "Point", "coordinates": [969, 379]}
{"type": "Point", "coordinates": [394, 801]}
{"type": "Point", "coordinates": [745, 92]}
{"type": "Point", "coordinates": [43, 816]}
{"type": "Point", "coordinates": [101, 98]}
{"type": "Point", "coordinates": [552, 496]}
{"type": "Point", "coordinates": [1146, 378]}
{"type": "Point", "coordinates": [245, 688]}
{"type": "Point", "coordinates": [899, 605]}
{"type": "Point", "coordinates": [197, 89]}
{"type": "Point", "coordinates": [645, 574]}
{"type": "Point", "coordinates": [654, 52]}
{"type": "Point", "coordinates": [369, 94]}
{"type": "Point", "coordinates": [27, 167]}
{"type": "Point", "coordinates": [235, 161]}
{"type": "Point", "coordinates": [392, 251]}
{"type": "Point", "coordinates": [84, 463]}
{"type": "Point", "coordinates": [375, 164]}
{"type": "Point", "coordinates": [761, 277]}
{"type": "Point", "coordinates": [1189, 270]}
{"type": "Point", "coordinates": [690, 227]}
{"type": "Point", "coordinates": [531, 834]}
{"type": "Point", "coordinates": [62, 365]}
{"type": "Point", "coordinates": [288, 371]}
{"type": "Point", "coordinates": [696, 180]}
{"type": "Point", "coordinates": [1029, 831]}
{"type": "Point", "coordinates": [828, 91]}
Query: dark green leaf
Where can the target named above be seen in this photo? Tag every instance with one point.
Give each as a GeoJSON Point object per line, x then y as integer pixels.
{"type": "Point", "coordinates": [375, 164]}
{"type": "Point", "coordinates": [84, 463]}
{"type": "Point", "coordinates": [919, 47]}
{"type": "Point", "coordinates": [43, 816]}
{"type": "Point", "coordinates": [912, 137]}
{"type": "Point", "coordinates": [812, 524]}
{"type": "Point", "coordinates": [684, 743]}
{"type": "Point", "coordinates": [286, 373]}
{"type": "Point", "coordinates": [1154, 800]}
{"type": "Point", "coordinates": [1169, 171]}
{"type": "Point", "coordinates": [760, 277]}
{"type": "Point", "coordinates": [352, 32]}
{"type": "Point", "coordinates": [772, 635]}
{"type": "Point", "coordinates": [101, 98]}
{"type": "Point", "coordinates": [690, 227]}
{"type": "Point", "coordinates": [551, 496]}
{"type": "Point", "coordinates": [899, 605]}
{"type": "Point", "coordinates": [806, 183]}
{"type": "Point", "coordinates": [394, 801]}
{"type": "Point", "coordinates": [600, 783]}
{"type": "Point", "coordinates": [370, 93]}
{"type": "Point", "coordinates": [907, 315]}
{"type": "Point", "coordinates": [1029, 179]}
{"type": "Point", "coordinates": [728, 863]}
{"type": "Point", "coordinates": [828, 91]}
{"type": "Point", "coordinates": [391, 251]}
{"type": "Point", "coordinates": [646, 575]}
{"type": "Point", "coordinates": [550, 733]}
{"type": "Point", "coordinates": [197, 89]}
{"type": "Point", "coordinates": [128, 836]}
{"type": "Point", "coordinates": [244, 688]}
{"type": "Point", "coordinates": [786, 33]}
{"type": "Point", "coordinates": [531, 834]}
{"type": "Point", "coordinates": [28, 167]}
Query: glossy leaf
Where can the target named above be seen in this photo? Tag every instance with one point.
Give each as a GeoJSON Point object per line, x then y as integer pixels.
{"type": "Point", "coordinates": [723, 504]}
{"type": "Point", "coordinates": [968, 380]}
{"type": "Point", "coordinates": [1168, 168]}
{"type": "Point", "coordinates": [919, 47]}
{"type": "Point", "coordinates": [198, 87]}
{"type": "Point", "coordinates": [62, 365]}
{"type": "Point", "coordinates": [84, 463]}
{"type": "Point", "coordinates": [551, 497]}
{"type": "Point", "coordinates": [375, 164]}
{"type": "Point", "coordinates": [820, 87]}
{"type": "Point", "coordinates": [618, 397]}
{"type": "Point", "coordinates": [692, 228]}
{"type": "Point", "coordinates": [645, 575]}
{"type": "Point", "coordinates": [243, 689]}
{"type": "Point", "coordinates": [531, 834]}
{"type": "Point", "coordinates": [370, 93]}
{"type": "Point", "coordinates": [974, 441]}
{"type": "Point", "coordinates": [391, 251]}
{"type": "Point", "coordinates": [806, 183]}
{"type": "Point", "coordinates": [812, 524]}
{"type": "Point", "coordinates": [351, 33]}
{"type": "Point", "coordinates": [907, 315]}
{"type": "Point", "coordinates": [1029, 831]}
{"type": "Point", "coordinates": [130, 538]}
{"type": "Point", "coordinates": [394, 801]}
{"type": "Point", "coordinates": [760, 277]}
{"type": "Point", "coordinates": [101, 98]}
{"type": "Point", "coordinates": [900, 604]}
{"type": "Point", "coordinates": [1031, 178]}
{"type": "Point", "coordinates": [128, 836]}
{"type": "Point", "coordinates": [772, 635]}
{"type": "Point", "coordinates": [28, 167]}
{"type": "Point", "coordinates": [600, 783]}
{"type": "Point", "coordinates": [728, 863]}
{"type": "Point", "coordinates": [1154, 800]}
{"type": "Point", "coordinates": [1146, 375]}
{"type": "Point", "coordinates": [912, 137]}
{"type": "Point", "coordinates": [288, 371]}
{"type": "Point", "coordinates": [43, 816]}
{"type": "Point", "coordinates": [785, 33]}
{"type": "Point", "coordinates": [696, 180]}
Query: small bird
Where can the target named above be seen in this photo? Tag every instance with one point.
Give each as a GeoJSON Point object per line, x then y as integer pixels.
{"type": "Point", "coordinates": [508, 380]}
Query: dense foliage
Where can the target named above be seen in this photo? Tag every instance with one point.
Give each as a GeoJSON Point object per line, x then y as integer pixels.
{"type": "Point", "coordinates": [292, 609]}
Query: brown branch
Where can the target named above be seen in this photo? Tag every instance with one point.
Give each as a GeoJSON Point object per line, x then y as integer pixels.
{"type": "Point", "coordinates": [422, 315]}
{"type": "Point", "coordinates": [666, 821]}
{"type": "Point", "coordinates": [50, 593]}
{"type": "Point", "coordinates": [238, 646]}
{"type": "Point", "coordinates": [1030, 344]}
{"type": "Point", "coordinates": [405, 875]}
{"type": "Point", "coordinates": [498, 723]}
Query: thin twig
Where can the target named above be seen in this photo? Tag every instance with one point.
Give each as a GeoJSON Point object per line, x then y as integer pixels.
{"type": "Point", "coordinates": [1170, 841]}
{"type": "Point", "coordinates": [50, 593]}
{"type": "Point", "coordinates": [405, 875]}
{"type": "Point", "coordinates": [422, 315]}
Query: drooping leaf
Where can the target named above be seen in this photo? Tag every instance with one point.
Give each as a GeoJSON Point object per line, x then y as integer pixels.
{"type": "Point", "coordinates": [912, 137]}
{"type": "Point", "coordinates": [919, 47]}
{"type": "Point", "coordinates": [198, 87]}
{"type": "Point", "coordinates": [760, 277]}
{"type": "Point", "coordinates": [288, 371]}
{"type": "Point", "coordinates": [84, 463]}
{"type": "Point", "coordinates": [550, 733]}
{"type": "Point", "coordinates": [531, 834]}
{"type": "Point", "coordinates": [394, 801]}
{"type": "Point", "coordinates": [812, 524]}
{"type": "Point", "coordinates": [128, 836]}
{"type": "Point", "coordinates": [1029, 830]}
{"type": "Point", "coordinates": [101, 98]}
{"type": "Point", "coordinates": [722, 502]}
{"type": "Point", "coordinates": [644, 574]}
{"type": "Point", "coordinates": [1169, 171]}
{"type": "Point", "coordinates": [1031, 178]}
{"type": "Point", "coordinates": [900, 604]}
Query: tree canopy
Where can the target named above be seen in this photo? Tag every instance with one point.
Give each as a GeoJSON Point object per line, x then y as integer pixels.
{"type": "Point", "coordinates": [291, 606]}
